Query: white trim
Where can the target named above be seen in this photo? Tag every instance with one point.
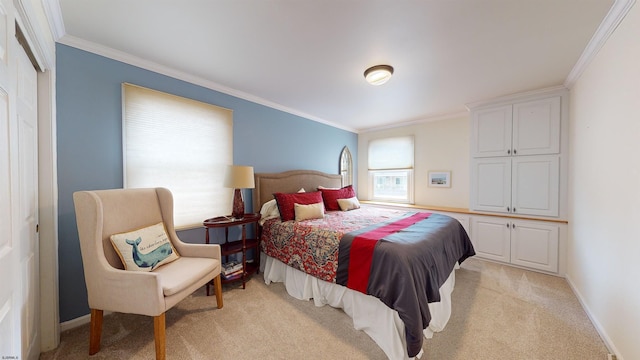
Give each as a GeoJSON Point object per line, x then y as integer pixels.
{"type": "Point", "coordinates": [608, 25]}
{"type": "Point", "coordinates": [54, 15]}
{"type": "Point", "coordinates": [599, 328]}
{"type": "Point", "coordinates": [165, 70]}
{"type": "Point", "coordinates": [27, 19]}
{"type": "Point", "coordinates": [79, 321]}
{"type": "Point", "coordinates": [48, 212]}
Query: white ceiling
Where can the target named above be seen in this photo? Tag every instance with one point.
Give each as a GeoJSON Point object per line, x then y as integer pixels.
{"type": "Point", "coordinates": [308, 56]}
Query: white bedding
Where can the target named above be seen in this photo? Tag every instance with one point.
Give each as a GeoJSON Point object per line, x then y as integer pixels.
{"type": "Point", "coordinates": [385, 328]}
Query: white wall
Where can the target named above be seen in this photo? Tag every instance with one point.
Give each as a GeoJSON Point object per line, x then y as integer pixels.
{"type": "Point", "coordinates": [439, 146]}
{"type": "Point", "coordinates": [604, 197]}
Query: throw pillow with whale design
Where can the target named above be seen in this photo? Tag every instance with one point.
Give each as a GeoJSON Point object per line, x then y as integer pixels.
{"type": "Point", "coordinates": [144, 249]}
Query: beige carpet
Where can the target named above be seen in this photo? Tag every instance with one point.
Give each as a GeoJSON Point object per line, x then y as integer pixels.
{"type": "Point", "coordinates": [499, 312]}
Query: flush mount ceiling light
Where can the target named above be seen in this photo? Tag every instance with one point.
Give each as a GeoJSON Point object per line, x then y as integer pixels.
{"type": "Point", "coordinates": [379, 74]}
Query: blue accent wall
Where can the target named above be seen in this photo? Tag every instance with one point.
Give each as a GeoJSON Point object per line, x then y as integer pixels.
{"type": "Point", "coordinates": [89, 136]}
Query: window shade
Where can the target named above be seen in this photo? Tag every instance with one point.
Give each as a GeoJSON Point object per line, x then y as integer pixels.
{"type": "Point", "coordinates": [391, 153]}
{"type": "Point", "coordinates": [181, 144]}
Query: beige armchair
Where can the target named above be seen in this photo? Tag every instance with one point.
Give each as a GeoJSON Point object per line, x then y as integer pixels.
{"type": "Point", "coordinates": [102, 213]}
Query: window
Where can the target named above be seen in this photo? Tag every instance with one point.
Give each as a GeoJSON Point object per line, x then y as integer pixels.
{"type": "Point", "coordinates": [181, 144]}
{"type": "Point", "coordinates": [391, 169]}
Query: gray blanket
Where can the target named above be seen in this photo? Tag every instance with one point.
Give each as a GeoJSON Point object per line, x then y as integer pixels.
{"type": "Point", "coordinates": [409, 266]}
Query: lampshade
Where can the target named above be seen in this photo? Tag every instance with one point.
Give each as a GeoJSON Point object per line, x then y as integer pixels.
{"type": "Point", "coordinates": [379, 74]}
{"type": "Point", "coordinates": [239, 177]}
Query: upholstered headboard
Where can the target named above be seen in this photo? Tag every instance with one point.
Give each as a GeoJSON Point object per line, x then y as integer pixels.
{"type": "Point", "coordinates": [290, 182]}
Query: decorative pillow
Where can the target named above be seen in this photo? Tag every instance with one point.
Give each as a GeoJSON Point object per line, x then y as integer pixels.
{"type": "Point", "coordinates": [331, 197]}
{"type": "Point", "coordinates": [311, 211]}
{"type": "Point", "coordinates": [144, 249]}
{"type": "Point", "coordinates": [269, 210]}
{"type": "Point", "coordinates": [349, 204]}
{"type": "Point", "coordinates": [286, 202]}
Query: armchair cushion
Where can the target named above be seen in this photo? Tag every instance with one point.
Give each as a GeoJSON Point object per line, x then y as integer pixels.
{"type": "Point", "coordinates": [183, 272]}
{"type": "Point", "coordinates": [144, 249]}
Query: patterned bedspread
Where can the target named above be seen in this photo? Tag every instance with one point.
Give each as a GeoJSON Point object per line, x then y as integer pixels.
{"type": "Point", "coordinates": [312, 246]}
{"type": "Point", "coordinates": [414, 254]}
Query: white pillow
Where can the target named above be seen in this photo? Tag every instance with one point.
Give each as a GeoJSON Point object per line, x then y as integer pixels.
{"type": "Point", "coordinates": [349, 204]}
{"type": "Point", "coordinates": [144, 249]}
{"type": "Point", "coordinates": [311, 211]}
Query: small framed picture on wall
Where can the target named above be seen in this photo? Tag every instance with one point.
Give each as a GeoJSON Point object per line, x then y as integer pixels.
{"type": "Point", "coordinates": [439, 178]}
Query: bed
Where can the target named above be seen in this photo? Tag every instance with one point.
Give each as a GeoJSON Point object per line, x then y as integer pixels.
{"type": "Point", "coordinates": [408, 271]}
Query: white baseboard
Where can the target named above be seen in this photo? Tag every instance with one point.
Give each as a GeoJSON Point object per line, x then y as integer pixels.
{"type": "Point", "coordinates": [79, 321]}
{"type": "Point", "coordinates": [603, 334]}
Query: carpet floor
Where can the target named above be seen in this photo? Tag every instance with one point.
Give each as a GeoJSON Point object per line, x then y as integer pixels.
{"type": "Point", "coordinates": [499, 312]}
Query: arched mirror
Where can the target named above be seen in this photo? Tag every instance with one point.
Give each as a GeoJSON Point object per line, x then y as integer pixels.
{"type": "Point", "coordinates": [346, 167]}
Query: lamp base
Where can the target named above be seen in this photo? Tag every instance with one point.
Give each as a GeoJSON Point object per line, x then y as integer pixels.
{"type": "Point", "coordinates": [238, 205]}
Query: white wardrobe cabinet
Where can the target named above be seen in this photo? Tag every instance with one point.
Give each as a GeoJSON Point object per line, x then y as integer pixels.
{"type": "Point", "coordinates": [531, 244]}
{"type": "Point", "coordinates": [527, 185]}
{"type": "Point", "coordinates": [522, 128]}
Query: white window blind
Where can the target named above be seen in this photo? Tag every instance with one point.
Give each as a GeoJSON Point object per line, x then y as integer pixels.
{"type": "Point", "coordinates": [391, 153]}
{"type": "Point", "coordinates": [391, 169]}
{"type": "Point", "coordinates": [181, 144]}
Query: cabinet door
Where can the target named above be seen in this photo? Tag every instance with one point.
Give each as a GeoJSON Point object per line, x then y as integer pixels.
{"type": "Point", "coordinates": [536, 127]}
{"type": "Point", "coordinates": [491, 132]}
{"type": "Point", "coordinates": [535, 185]}
{"type": "Point", "coordinates": [534, 245]}
{"type": "Point", "coordinates": [491, 188]}
{"type": "Point", "coordinates": [491, 238]}
{"type": "Point", "coordinates": [462, 219]}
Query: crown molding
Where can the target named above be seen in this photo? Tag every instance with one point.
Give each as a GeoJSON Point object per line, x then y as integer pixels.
{"type": "Point", "coordinates": [518, 96]}
{"type": "Point", "coordinates": [456, 115]}
{"type": "Point", "coordinates": [608, 25]}
{"type": "Point", "coordinates": [180, 75]}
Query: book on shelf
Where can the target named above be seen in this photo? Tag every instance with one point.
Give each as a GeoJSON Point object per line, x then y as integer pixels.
{"type": "Point", "coordinates": [231, 268]}
{"type": "Point", "coordinates": [230, 275]}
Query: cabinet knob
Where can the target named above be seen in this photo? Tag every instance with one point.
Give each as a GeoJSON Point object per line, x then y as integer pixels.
{"type": "Point", "coordinates": [514, 209]}
{"type": "Point", "coordinates": [514, 151]}
{"type": "Point", "coordinates": [508, 209]}
{"type": "Point", "coordinates": [509, 152]}
{"type": "Point", "coordinates": [507, 225]}
{"type": "Point", "coordinates": [513, 226]}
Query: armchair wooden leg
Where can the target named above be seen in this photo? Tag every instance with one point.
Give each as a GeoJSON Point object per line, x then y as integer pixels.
{"type": "Point", "coordinates": [95, 331]}
{"type": "Point", "coordinates": [160, 336]}
{"type": "Point", "coordinates": [217, 281]}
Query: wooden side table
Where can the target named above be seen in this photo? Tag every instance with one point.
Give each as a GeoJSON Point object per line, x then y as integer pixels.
{"type": "Point", "coordinates": [237, 246]}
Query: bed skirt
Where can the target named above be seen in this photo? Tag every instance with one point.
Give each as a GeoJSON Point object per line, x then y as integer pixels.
{"type": "Point", "coordinates": [386, 328]}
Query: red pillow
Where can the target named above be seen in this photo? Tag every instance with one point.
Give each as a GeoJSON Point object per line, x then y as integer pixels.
{"type": "Point", "coordinates": [331, 196]}
{"type": "Point", "coordinates": [286, 202]}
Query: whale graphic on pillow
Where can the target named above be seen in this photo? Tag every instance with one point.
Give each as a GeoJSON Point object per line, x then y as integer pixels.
{"type": "Point", "coordinates": [152, 258]}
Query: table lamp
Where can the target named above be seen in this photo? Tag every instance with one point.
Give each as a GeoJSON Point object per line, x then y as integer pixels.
{"type": "Point", "coordinates": [239, 177]}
